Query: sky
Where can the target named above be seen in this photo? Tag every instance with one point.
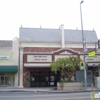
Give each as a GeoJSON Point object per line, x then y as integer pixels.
{"type": "Point", "coordinates": [47, 14]}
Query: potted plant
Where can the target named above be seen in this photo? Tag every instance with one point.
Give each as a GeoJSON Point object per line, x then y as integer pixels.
{"type": "Point", "coordinates": [67, 66]}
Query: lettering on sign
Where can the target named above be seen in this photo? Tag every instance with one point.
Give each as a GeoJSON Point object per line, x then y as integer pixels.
{"type": "Point", "coordinates": [4, 57]}
{"type": "Point", "coordinates": [91, 59]}
{"type": "Point", "coordinates": [39, 58]}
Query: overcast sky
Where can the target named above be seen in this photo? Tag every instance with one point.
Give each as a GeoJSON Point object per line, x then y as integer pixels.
{"type": "Point", "coordinates": [47, 14]}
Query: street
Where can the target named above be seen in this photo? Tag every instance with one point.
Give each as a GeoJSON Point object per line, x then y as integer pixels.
{"type": "Point", "coordinates": [44, 96]}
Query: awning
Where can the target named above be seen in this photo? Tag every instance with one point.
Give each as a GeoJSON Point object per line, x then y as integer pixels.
{"type": "Point", "coordinates": [8, 69]}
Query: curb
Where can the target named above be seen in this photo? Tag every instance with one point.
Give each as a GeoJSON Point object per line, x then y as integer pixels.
{"type": "Point", "coordinates": [48, 91]}
{"type": "Point", "coordinates": [68, 91]}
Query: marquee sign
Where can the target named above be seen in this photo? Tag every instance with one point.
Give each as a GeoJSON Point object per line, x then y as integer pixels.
{"type": "Point", "coordinates": [39, 58]}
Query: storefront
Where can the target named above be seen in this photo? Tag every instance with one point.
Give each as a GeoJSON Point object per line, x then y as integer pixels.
{"type": "Point", "coordinates": [93, 63]}
{"type": "Point", "coordinates": [36, 67]}
{"type": "Point", "coordinates": [37, 71]}
{"type": "Point", "coordinates": [9, 63]}
{"type": "Point", "coordinates": [7, 75]}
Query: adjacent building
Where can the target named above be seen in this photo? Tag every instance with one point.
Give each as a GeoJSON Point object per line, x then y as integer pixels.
{"type": "Point", "coordinates": [9, 61]}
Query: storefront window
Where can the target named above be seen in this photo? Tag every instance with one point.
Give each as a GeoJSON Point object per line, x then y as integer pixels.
{"type": "Point", "coordinates": [6, 80]}
{"type": "Point", "coordinates": [11, 80]}
{"type": "Point", "coordinates": [44, 79]}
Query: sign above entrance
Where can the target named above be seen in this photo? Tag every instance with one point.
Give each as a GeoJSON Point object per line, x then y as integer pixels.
{"type": "Point", "coordinates": [4, 57]}
{"type": "Point", "coordinates": [39, 58]}
{"type": "Point", "coordinates": [95, 58]}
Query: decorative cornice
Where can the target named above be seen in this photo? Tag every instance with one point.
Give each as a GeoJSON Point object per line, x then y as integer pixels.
{"type": "Point", "coordinates": [66, 49]}
{"type": "Point", "coordinates": [54, 52]}
{"type": "Point", "coordinates": [65, 52]}
{"type": "Point", "coordinates": [38, 53]}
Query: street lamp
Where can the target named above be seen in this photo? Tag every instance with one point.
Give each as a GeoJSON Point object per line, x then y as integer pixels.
{"type": "Point", "coordinates": [83, 40]}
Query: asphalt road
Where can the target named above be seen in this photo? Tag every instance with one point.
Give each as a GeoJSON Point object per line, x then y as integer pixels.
{"type": "Point", "coordinates": [44, 96]}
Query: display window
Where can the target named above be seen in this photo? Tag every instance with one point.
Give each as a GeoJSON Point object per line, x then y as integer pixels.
{"type": "Point", "coordinates": [6, 79]}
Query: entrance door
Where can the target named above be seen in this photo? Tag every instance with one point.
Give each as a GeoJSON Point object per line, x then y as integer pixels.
{"type": "Point", "coordinates": [39, 79]}
{"type": "Point", "coordinates": [44, 79]}
{"type": "Point", "coordinates": [4, 80]}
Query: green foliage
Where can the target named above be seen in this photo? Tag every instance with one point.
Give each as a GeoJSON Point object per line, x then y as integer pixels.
{"type": "Point", "coordinates": [66, 65]}
{"type": "Point", "coordinates": [73, 63]}
{"type": "Point", "coordinates": [93, 95]}
{"type": "Point", "coordinates": [57, 65]}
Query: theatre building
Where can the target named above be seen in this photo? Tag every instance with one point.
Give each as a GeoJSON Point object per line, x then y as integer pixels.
{"type": "Point", "coordinates": [9, 53]}
{"type": "Point", "coordinates": [38, 47]}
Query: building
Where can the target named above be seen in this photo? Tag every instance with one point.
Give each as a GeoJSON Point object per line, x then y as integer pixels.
{"type": "Point", "coordinates": [39, 47]}
{"type": "Point", "coordinates": [9, 55]}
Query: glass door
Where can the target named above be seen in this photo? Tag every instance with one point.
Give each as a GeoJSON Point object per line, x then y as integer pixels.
{"type": "Point", "coordinates": [39, 79]}
{"type": "Point", "coordinates": [6, 80]}
{"type": "Point", "coordinates": [44, 79]}
{"type": "Point", "coordinates": [34, 79]}
{"type": "Point", "coordinates": [2, 80]}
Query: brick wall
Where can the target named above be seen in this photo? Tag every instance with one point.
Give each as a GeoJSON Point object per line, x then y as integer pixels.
{"type": "Point", "coordinates": [44, 49]}
{"type": "Point", "coordinates": [26, 76]}
{"type": "Point", "coordinates": [39, 49]}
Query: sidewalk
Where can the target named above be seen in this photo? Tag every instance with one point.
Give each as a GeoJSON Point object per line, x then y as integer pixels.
{"type": "Point", "coordinates": [43, 89]}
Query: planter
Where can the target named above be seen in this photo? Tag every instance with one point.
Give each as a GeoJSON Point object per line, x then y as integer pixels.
{"type": "Point", "coordinates": [70, 86]}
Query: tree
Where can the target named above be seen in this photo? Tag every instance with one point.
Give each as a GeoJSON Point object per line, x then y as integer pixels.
{"type": "Point", "coordinates": [67, 66]}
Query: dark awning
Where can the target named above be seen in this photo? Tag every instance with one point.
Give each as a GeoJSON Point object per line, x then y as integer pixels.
{"type": "Point", "coordinates": [8, 69]}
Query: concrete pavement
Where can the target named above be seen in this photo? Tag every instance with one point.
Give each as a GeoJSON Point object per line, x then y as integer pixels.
{"type": "Point", "coordinates": [43, 89]}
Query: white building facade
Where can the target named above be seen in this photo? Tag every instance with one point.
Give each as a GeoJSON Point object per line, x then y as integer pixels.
{"type": "Point", "coordinates": [9, 61]}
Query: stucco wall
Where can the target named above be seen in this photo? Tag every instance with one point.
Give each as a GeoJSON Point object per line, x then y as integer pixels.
{"type": "Point", "coordinates": [6, 54]}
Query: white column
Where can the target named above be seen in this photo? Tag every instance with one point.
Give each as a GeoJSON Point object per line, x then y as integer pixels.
{"type": "Point", "coordinates": [16, 80]}
{"type": "Point", "coordinates": [15, 50]}
{"type": "Point", "coordinates": [21, 69]}
{"type": "Point", "coordinates": [62, 36]}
